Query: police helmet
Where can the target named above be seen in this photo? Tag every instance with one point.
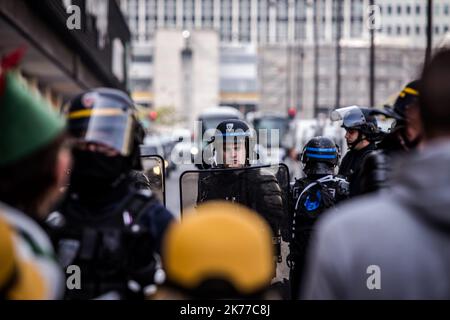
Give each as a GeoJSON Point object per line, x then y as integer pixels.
{"type": "Point", "coordinates": [320, 156]}
{"type": "Point", "coordinates": [107, 117]}
{"type": "Point", "coordinates": [409, 95]}
{"type": "Point", "coordinates": [358, 118]}
{"type": "Point", "coordinates": [233, 131]}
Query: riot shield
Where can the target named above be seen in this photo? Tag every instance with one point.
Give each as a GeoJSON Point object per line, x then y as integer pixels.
{"type": "Point", "coordinates": [264, 189]}
{"type": "Point", "coordinates": [154, 170]}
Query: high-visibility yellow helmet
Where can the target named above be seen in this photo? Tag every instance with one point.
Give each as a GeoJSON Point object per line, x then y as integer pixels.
{"type": "Point", "coordinates": [222, 241]}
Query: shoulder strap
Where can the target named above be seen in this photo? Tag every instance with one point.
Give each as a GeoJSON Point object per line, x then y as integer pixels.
{"type": "Point", "coordinates": [312, 184]}
{"type": "Point", "coordinates": [139, 203]}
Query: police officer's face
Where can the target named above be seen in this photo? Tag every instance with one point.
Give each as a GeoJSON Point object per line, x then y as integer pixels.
{"type": "Point", "coordinates": [351, 136]}
{"type": "Point", "coordinates": [234, 154]}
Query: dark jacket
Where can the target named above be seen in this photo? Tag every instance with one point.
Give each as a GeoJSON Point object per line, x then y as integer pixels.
{"type": "Point", "coordinates": [256, 188]}
{"type": "Point", "coordinates": [99, 238]}
{"type": "Point", "coordinates": [308, 207]}
{"type": "Point", "coordinates": [351, 166]}
{"type": "Point", "coordinates": [377, 166]}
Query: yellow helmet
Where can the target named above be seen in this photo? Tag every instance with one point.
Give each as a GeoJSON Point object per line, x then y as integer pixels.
{"type": "Point", "coordinates": [220, 241]}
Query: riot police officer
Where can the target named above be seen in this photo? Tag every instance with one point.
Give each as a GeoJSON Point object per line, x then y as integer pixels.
{"type": "Point", "coordinates": [318, 191]}
{"type": "Point", "coordinates": [105, 225]}
{"type": "Point", "coordinates": [233, 143]}
{"type": "Point", "coordinates": [362, 131]}
{"type": "Point", "coordinates": [405, 136]}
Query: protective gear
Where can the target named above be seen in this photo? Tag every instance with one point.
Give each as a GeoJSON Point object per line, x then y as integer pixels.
{"type": "Point", "coordinates": [233, 132]}
{"type": "Point", "coordinates": [27, 122]}
{"type": "Point", "coordinates": [262, 189]}
{"type": "Point", "coordinates": [95, 174]}
{"type": "Point", "coordinates": [376, 169]}
{"type": "Point", "coordinates": [351, 167]}
{"type": "Point", "coordinates": [320, 156]}
{"type": "Point", "coordinates": [235, 263]}
{"type": "Point", "coordinates": [107, 117]}
{"type": "Point", "coordinates": [114, 246]}
{"type": "Point", "coordinates": [409, 95]}
{"type": "Point", "coordinates": [111, 231]}
{"type": "Point", "coordinates": [361, 119]}
{"type": "Point", "coordinates": [311, 197]}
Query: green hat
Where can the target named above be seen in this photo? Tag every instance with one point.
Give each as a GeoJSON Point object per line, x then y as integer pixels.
{"type": "Point", "coordinates": [27, 122]}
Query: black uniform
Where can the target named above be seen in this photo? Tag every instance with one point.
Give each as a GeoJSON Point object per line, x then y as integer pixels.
{"type": "Point", "coordinates": [310, 198]}
{"type": "Point", "coordinates": [351, 167]}
{"type": "Point", "coordinates": [257, 189]}
{"type": "Point", "coordinates": [106, 225]}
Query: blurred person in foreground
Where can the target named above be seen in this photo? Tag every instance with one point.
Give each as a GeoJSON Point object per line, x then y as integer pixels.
{"type": "Point", "coordinates": [34, 161]}
{"type": "Point", "coordinates": [107, 225]}
{"type": "Point", "coordinates": [395, 245]}
{"type": "Point", "coordinates": [222, 251]}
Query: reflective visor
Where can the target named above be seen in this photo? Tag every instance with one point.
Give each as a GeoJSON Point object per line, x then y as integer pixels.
{"type": "Point", "coordinates": [351, 116]}
{"type": "Point", "coordinates": [108, 126]}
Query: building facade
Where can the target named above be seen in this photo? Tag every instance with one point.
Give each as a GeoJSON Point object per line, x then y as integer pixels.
{"type": "Point", "coordinates": [276, 38]}
{"type": "Point", "coordinates": [61, 62]}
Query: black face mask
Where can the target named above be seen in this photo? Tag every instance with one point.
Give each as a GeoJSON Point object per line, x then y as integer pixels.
{"type": "Point", "coordinates": [95, 174]}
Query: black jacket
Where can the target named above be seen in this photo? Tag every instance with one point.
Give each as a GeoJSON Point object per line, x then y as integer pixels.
{"type": "Point", "coordinates": [377, 167]}
{"type": "Point", "coordinates": [351, 166]}
{"type": "Point", "coordinates": [257, 189]}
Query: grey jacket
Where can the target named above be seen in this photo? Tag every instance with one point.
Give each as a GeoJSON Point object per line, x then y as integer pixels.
{"type": "Point", "coordinates": [391, 245]}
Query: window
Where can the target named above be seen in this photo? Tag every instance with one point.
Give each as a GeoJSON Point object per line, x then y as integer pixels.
{"type": "Point", "coordinates": [389, 9]}
{"type": "Point", "coordinates": [445, 29]}
{"type": "Point", "coordinates": [408, 10]}
{"type": "Point", "coordinates": [417, 30]}
{"type": "Point", "coordinates": [408, 30]}
{"type": "Point", "coordinates": [437, 10]}
{"type": "Point", "coordinates": [399, 30]}
{"type": "Point", "coordinates": [244, 20]}
{"type": "Point", "coordinates": [389, 30]}
{"type": "Point", "coordinates": [418, 9]}
{"type": "Point", "coordinates": [399, 9]}
{"type": "Point", "coordinates": [437, 29]}
{"type": "Point", "coordinates": [446, 9]}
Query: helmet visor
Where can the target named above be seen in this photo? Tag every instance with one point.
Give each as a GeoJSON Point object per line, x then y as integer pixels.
{"type": "Point", "coordinates": [111, 127]}
{"type": "Point", "coordinates": [351, 117]}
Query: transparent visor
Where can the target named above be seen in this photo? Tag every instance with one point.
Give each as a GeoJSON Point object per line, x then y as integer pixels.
{"type": "Point", "coordinates": [108, 127]}
{"type": "Point", "coordinates": [350, 116]}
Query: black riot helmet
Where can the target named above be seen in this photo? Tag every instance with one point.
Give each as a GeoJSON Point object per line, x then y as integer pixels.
{"type": "Point", "coordinates": [408, 96]}
{"type": "Point", "coordinates": [361, 119]}
{"type": "Point", "coordinates": [233, 132]}
{"type": "Point", "coordinates": [320, 156]}
{"type": "Point", "coordinates": [107, 117]}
